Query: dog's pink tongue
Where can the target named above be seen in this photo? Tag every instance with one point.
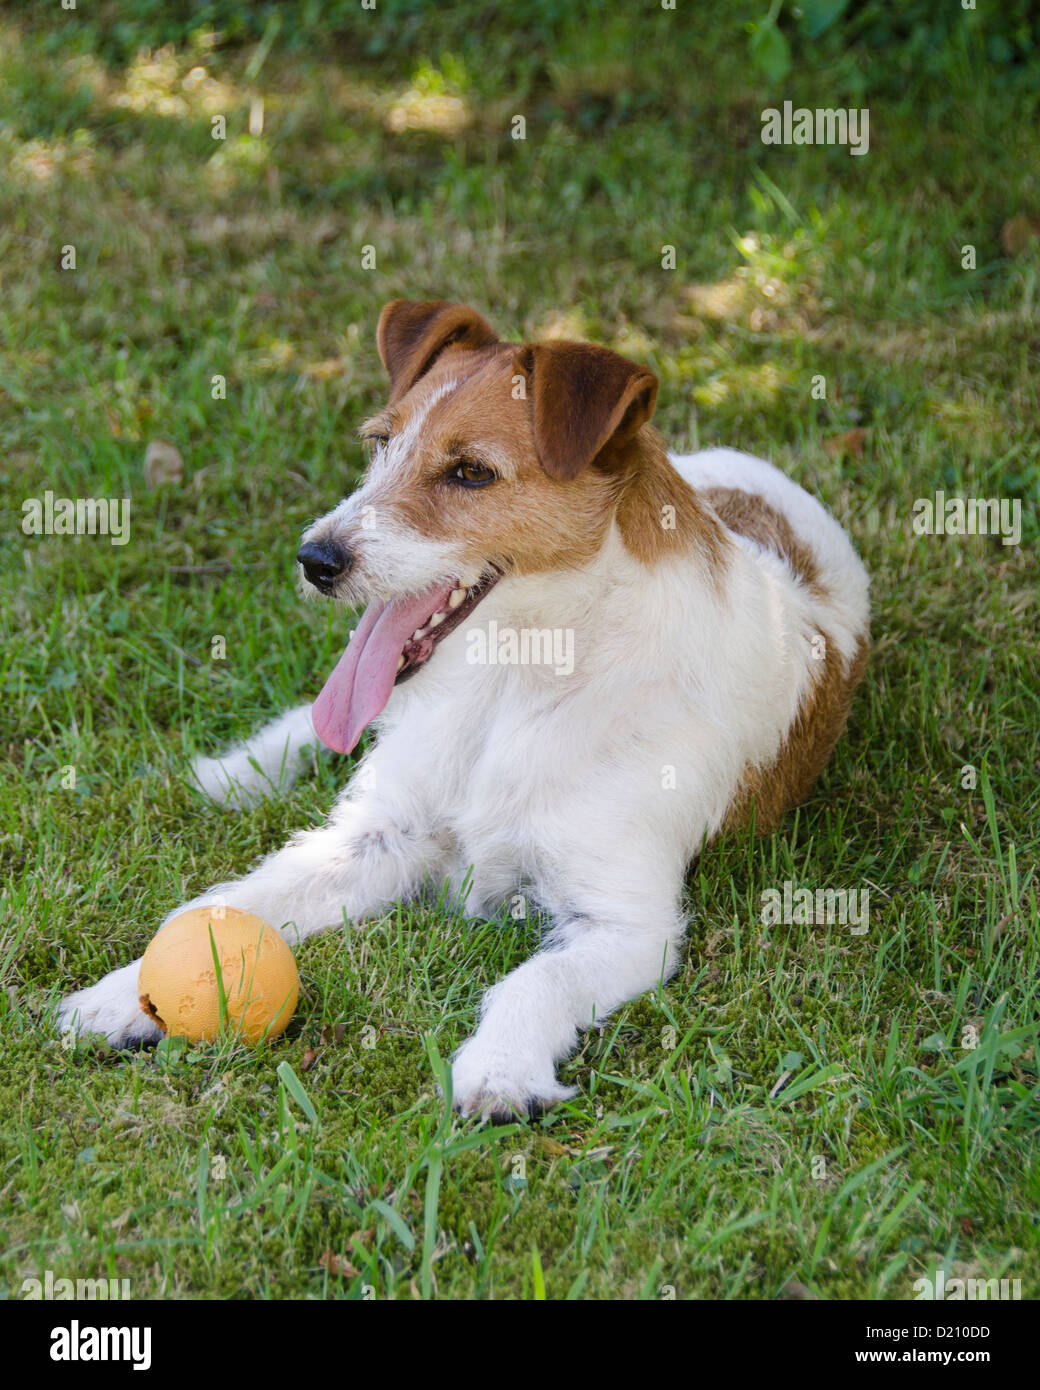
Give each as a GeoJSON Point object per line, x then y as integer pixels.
{"type": "Point", "coordinates": [360, 685]}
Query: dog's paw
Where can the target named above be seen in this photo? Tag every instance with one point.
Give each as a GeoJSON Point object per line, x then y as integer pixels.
{"type": "Point", "coordinates": [231, 781]}
{"type": "Point", "coordinates": [499, 1087]}
{"type": "Point", "coordinates": [110, 1007]}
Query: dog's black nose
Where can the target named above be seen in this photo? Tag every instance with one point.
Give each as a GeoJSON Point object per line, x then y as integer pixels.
{"type": "Point", "coordinates": [323, 563]}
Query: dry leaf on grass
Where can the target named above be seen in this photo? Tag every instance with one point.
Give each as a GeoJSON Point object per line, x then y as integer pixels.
{"type": "Point", "coordinates": [162, 464]}
{"type": "Point", "coordinates": [795, 1289]}
{"type": "Point", "coordinates": [1018, 232]}
{"type": "Point", "coordinates": [554, 1147]}
{"type": "Point", "coordinates": [851, 442]}
{"type": "Point", "coordinates": [337, 1264]}
{"type": "Point", "coordinates": [325, 370]}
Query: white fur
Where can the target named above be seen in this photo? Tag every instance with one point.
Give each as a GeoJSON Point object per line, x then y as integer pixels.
{"type": "Point", "coordinates": [269, 761]}
{"type": "Point", "coordinates": [587, 794]}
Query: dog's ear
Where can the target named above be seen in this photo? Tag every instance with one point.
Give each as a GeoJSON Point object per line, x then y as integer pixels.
{"type": "Point", "coordinates": [582, 398]}
{"type": "Point", "coordinates": [413, 333]}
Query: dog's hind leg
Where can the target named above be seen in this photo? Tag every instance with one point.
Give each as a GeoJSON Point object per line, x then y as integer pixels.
{"type": "Point", "coordinates": [267, 763]}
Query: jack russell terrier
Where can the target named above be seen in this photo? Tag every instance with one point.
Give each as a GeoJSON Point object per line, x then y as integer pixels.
{"type": "Point", "coordinates": [717, 618]}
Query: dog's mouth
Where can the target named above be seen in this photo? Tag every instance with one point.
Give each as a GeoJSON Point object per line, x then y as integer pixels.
{"type": "Point", "coordinates": [390, 643]}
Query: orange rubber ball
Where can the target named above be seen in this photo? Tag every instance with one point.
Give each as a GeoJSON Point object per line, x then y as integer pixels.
{"type": "Point", "coordinates": [179, 988]}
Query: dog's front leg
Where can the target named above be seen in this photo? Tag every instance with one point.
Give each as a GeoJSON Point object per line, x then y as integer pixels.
{"type": "Point", "coordinates": [590, 963]}
{"type": "Point", "coordinates": [368, 855]}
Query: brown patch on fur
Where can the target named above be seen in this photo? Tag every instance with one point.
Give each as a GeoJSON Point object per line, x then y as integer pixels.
{"type": "Point", "coordinates": [808, 743]}
{"type": "Point", "coordinates": [751, 516]}
{"type": "Point", "coordinates": [658, 511]}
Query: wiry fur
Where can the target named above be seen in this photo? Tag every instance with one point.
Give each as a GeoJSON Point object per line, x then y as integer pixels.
{"type": "Point", "coordinates": [699, 693]}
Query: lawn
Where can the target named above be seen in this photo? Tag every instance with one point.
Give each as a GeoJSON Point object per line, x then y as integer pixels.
{"type": "Point", "coordinates": [803, 1111]}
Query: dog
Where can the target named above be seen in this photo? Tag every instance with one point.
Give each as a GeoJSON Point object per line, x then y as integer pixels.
{"type": "Point", "coordinates": [717, 618]}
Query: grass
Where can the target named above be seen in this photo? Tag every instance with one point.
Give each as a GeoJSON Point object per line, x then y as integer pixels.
{"type": "Point", "coordinates": [324, 1163]}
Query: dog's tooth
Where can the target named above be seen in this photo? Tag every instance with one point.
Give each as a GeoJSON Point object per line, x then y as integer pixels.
{"type": "Point", "coordinates": [401, 661]}
{"type": "Point", "coordinates": [456, 597]}
{"type": "Point", "coordinates": [437, 619]}
{"type": "Point", "coordinates": [418, 633]}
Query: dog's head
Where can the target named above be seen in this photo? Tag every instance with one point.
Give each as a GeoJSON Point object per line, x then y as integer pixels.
{"type": "Point", "coordinates": [490, 458]}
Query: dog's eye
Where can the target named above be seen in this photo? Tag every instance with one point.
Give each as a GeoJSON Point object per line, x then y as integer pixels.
{"type": "Point", "coordinates": [376, 441]}
{"type": "Point", "coordinates": [472, 474]}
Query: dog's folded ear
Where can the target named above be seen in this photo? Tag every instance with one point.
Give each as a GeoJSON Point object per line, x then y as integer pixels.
{"type": "Point", "coordinates": [583, 397]}
{"type": "Point", "coordinates": [413, 333]}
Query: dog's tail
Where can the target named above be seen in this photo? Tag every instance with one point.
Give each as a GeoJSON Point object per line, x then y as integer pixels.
{"type": "Point", "coordinates": [267, 764]}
